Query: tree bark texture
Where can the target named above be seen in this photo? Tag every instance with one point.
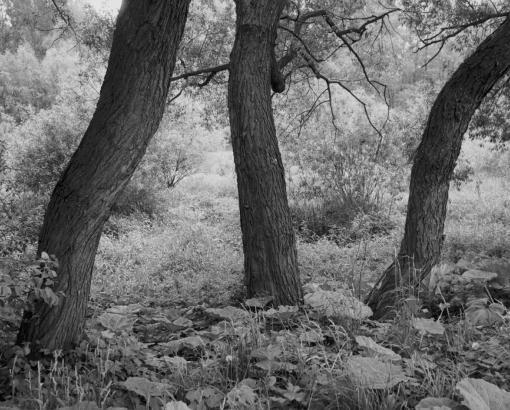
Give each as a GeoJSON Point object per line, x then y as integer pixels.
{"type": "Point", "coordinates": [131, 103]}
{"type": "Point", "coordinates": [433, 167]}
{"type": "Point", "coordinates": [269, 245]}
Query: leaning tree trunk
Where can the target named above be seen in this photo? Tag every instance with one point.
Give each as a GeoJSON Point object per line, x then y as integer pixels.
{"type": "Point", "coordinates": [433, 167]}
{"type": "Point", "coordinates": [128, 113]}
{"type": "Point", "coordinates": [269, 245]}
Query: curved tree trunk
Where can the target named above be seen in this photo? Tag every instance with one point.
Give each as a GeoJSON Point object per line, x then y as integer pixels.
{"type": "Point", "coordinates": [130, 107]}
{"type": "Point", "coordinates": [433, 167]}
{"type": "Point", "coordinates": [270, 260]}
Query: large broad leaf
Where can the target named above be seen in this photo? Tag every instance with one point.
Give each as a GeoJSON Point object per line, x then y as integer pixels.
{"type": "Point", "coordinates": [228, 313]}
{"type": "Point", "coordinates": [436, 403]}
{"type": "Point", "coordinates": [283, 313]}
{"type": "Point", "coordinates": [371, 373]}
{"type": "Point", "coordinates": [183, 322]}
{"type": "Point", "coordinates": [481, 395]}
{"type": "Point", "coordinates": [480, 313]}
{"type": "Point", "coordinates": [190, 342]}
{"type": "Point", "coordinates": [374, 349]}
{"type": "Point", "coordinates": [260, 303]}
{"type": "Point", "coordinates": [177, 405]}
{"type": "Point", "coordinates": [271, 352]}
{"type": "Point", "coordinates": [428, 326]}
{"type": "Point", "coordinates": [146, 388]}
{"type": "Point", "coordinates": [209, 396]}
{"type": "Point", "coordinates": [242, 396]}
{"type": "Point", "coordinates": [178, 362]}
{"type": "Point", "coordinates": [125, 309]}
{"type": "Point", "coordinates": [479, 275]}
{"type": "Point", "coordinates": [337, 304]}
{"type": "Point", "coordinates": [84, 405]}
{"type": "Point", "coordinates": [117, 322]}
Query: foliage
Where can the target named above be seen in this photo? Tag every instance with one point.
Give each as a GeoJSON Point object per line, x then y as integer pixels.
{"type": "Point", "coordinates": [490, 121]}
{"type": "Point", "coordinates": [339, 177]}
{"type": "Point", "coordinates": [23, 284]}
{"type": "Point", "coordinates": [166, 329]}
{"type": "Point", "coordinates": [46, 142]}
{"type": "Point", "coordinates": [171, 357]}
{"type": "Point", "coordinates": [29, 84]}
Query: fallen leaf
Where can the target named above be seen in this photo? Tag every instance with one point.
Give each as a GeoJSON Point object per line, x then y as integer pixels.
{"type": "Point", "coordinates": [146, 388]}
{"type": "Point", "coordinates": [117, 322]}
{"type": "Point", "coordinates": [479, 313]}
{"type": "Point", "coordinates": [337, 304]}
{"type": "Point", "coordinates": [271, 352]}
{"type": "Point", "coordinates": [125, 309]}
{"type": "Point", "coordinates": [208, 395]}
{"type": "Point", "coordinates": [274, 365]}
{"type": "Point", "coordinates": [436, 403]}
{"type": "Point", "coordinates": [177, 405]}
{"type": "Point", "coordinates": [371, 373]}
{"type": "Point", "coordinates": [429, 326]}
{"type": "Point", "coordinates": [241, 395]}
{"type": "Point", "coordinates": [258, 302]}
{"type": "Point", "coordinates": [229, 312]}
{"type": "Point", "coordinates": [481, 395]}
{"type": "Point", "coordinates": [375, 349]}
{"type": "Point", "coordinates": [282, 313]}
{"type": "Point", "coordinates": [84, 405]}
{"type": "Point", "coordinates": [191, 342]}
{"type": "Point", "coordinates": [182, 322]}
{"type": "Point", "coordinates": [479, 275]}
{"type": "Point", "coordinates": [177, 361]}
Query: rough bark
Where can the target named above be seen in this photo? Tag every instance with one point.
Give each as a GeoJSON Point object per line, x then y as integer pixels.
{"type": "Point", "coordinates": [270, 260]}
{"type": "Point", "coordinates": [433, 167]}
{"type": "Point", "coordinates": [128, 113]}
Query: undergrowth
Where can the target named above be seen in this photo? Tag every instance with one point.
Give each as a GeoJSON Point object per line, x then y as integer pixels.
{"type": "Point", "coordinates": [156, 334]}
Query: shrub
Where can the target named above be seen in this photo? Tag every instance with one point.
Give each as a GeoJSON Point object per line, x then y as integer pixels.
{"type": "Point", "coordinates": [138, 198]}
{"type": "Point", "coordinates": [341, 174]}
{"type": "Point", "coordinates": [462, 174]}
{"type": "Point", "coordinates": [48, 141]}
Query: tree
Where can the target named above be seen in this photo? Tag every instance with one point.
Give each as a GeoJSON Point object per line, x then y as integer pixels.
{"type": "Point", "coordinates": [309, 34]}
{"type": "Point", "coordinates": [131, 103]}
{"type": "Point", "coordinates": [269, 245]}
{"type": "Point", "coordinates": [434, 164]}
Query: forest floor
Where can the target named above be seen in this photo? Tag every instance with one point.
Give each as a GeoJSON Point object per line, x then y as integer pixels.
{"type": "Point", "coordinates": [167, 322]}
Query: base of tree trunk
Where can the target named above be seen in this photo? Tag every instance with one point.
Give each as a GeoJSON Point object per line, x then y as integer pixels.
{"type": "Point", "coordinates": [401, 280]}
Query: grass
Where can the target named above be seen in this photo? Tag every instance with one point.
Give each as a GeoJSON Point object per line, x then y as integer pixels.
{"type": "Point", "coordinates": [479, 213]}
{"type": "Point", "coordinates": [189, 258]}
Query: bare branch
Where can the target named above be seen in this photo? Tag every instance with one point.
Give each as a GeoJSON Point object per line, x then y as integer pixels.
{"type": "Point", "coordinates": [210, 71]}
{"type": "Point", "coordinates": [65, 18]}
{"type": "Point", "coordinates": [446, 33]}
{"type": "Point", "coordinates": [360, 29]}
{"type": "Point", "coordinates": [329, 82]}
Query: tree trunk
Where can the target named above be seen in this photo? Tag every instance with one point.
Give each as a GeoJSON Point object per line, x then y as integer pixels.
{"type": "Point", "coordinates": [433, 167]}
{"type": "Point", "coordinates": [131, 104]}
{"type": "Point", "coordinates": [269, 245]}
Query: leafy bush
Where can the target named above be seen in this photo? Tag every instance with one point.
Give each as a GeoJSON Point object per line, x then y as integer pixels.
{"type": "Point", "coordinates": [30, 84]}
{"type": "Point", "coordinates": [336, 185]}
{"type": "Point", "coordinates": [138, 198]}
{"type": "Point", "coordinates": [47, 142]}
{"type": "Point", "coordinates": [463, 173]}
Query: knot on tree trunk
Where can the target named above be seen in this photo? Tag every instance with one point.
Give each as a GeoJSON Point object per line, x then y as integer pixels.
{"type": "Point", "coordinates": [277, 78]}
